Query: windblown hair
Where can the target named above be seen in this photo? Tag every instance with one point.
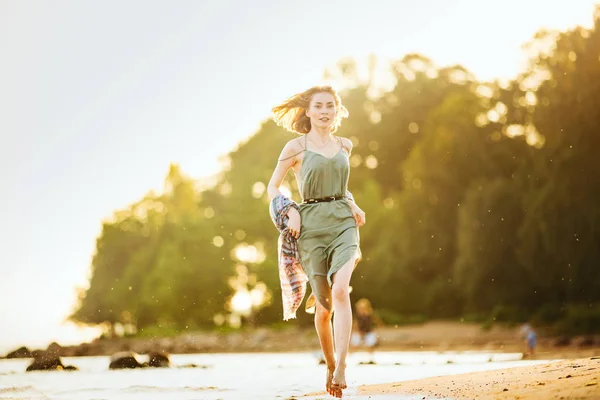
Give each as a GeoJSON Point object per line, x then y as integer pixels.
{"type": "Point", "coordinates": [291, 114]}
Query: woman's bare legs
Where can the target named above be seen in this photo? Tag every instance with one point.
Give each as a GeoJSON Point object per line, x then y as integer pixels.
{"type": "Point", "coordinates": [323, 326]}
{"type": "Point", "coordinates": [342, 322]}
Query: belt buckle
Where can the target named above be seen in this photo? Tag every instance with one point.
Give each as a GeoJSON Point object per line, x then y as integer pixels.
{"type": "Point", "coordinates": [332, 198]}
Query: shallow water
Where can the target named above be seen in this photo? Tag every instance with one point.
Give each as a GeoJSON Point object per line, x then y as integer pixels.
{"type": "Point", "coordinates": [235, 376]}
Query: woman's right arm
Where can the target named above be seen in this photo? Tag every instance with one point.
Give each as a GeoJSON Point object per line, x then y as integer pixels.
{"type": "Point", "coordinates": [286, 160]}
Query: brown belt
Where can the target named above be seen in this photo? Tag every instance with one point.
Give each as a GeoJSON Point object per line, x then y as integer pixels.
{"type": "Point", "coordinates": [322, 199]}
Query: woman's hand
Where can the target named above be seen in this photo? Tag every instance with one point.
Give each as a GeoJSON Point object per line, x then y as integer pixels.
{"type": "Point", "coordinates": [294, 222]}
{"type": "Point", "coordinates": [358, 214]}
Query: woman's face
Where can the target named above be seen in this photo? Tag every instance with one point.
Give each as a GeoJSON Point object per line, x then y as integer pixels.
{"type": "Point", "coordinates": [322, 110]}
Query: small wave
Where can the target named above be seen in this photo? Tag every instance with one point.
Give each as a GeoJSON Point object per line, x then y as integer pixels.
{"type": "Point", "coordinates": [16, 389]}
{"type": "Point", "coordinates": [204, 388]}
{"type": "Point", "coordinates": [140, 388]}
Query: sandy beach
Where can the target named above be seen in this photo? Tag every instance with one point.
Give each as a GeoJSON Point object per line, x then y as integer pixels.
{"type": "Point", "coordinates": [567, 379]}
{"type": "Point", "coordinates": [442, 353]}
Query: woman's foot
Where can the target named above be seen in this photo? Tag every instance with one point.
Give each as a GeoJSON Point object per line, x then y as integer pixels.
{"type": "Point", "coordinates": [338, 382]}
{"type": "Point", "coordinates": [330, 372]}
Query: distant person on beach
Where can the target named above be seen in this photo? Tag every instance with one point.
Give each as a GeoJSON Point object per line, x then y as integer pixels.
{"type": "Point", "coordinates": [528, 334]}
{"type": "Point", "coordinates": [319, 239]}
{"type": "Point", "coordinates": [365, 321]}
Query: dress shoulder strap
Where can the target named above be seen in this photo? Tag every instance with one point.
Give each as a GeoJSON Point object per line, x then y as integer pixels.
{"type": "Point", "coordinates": [343, 145]}
{"type": "Point", "coordinates": [294, 155]}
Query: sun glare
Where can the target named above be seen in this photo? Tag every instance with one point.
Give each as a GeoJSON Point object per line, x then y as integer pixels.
{"type": "Point", "coordinates": [241, 303]}
{"type": "Point", "coordinates": [249, 253]}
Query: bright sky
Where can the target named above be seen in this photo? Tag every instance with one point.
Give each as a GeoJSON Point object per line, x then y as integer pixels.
{"type": "Point", "coordinates": [97, 98]}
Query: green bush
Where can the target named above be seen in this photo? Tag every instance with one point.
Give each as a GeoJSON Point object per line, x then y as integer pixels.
{"type": "Point", "coordinates": [549, 314]}
{"type": "Point", "coordinates": [510, 315]}
{"type": "Point", "coordinates": [502, 313]}
{"type": "Point", "coordinates": [579, 320]}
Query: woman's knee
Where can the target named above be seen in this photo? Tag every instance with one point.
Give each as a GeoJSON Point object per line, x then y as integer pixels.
{"type": "Point", "coordinates": [340, 292]}
{"type": "Point", "coordinates": [322, 314]}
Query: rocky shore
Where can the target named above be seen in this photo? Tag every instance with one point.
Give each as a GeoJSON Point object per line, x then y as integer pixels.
{"type": "Point", "coordinates": [431, 336]}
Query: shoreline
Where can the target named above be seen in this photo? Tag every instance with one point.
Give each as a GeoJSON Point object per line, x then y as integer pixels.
{"type": "Point", "coordinates": [437, 336]}
{"type": "Point", "coordinates": [565, 379]}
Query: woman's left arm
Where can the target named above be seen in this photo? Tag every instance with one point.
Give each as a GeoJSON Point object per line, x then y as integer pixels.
{"type": "Point", "coordinates": [357, 213]}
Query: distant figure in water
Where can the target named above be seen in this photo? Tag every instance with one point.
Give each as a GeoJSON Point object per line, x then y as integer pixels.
{"type": "Point", "coordinates": [364, 325]}
{"type": "Point", "coordinates": [530, 337]}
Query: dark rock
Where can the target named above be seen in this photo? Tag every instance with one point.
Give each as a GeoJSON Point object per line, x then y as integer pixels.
{"type": "Point", "coordinates": [48, 361]}
{"type": "Point", "coordinates": [54, 349]}
{"type": "Point", "coordinates": [125, 359]}
{"type": "Point", "coordinates": [37, 353]}
{"type": "Point", "coordinates": [42, 364]}
{"type": "Point", "coordinates": [158, 359]}
{"type": "Point", "coordinates": [21, 352]}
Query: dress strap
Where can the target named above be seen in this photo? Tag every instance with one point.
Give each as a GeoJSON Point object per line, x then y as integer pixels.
{"type": "Point", "coordinates": [294, 155]}
{"type": "Point", "coordinates": [343, 145]}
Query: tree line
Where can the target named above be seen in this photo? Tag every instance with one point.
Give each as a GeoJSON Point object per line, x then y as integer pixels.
{"type": "Point", "coordinates": [482, 201]}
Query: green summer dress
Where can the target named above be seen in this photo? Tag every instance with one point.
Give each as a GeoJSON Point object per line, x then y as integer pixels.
{"type": "Point", "coordinates": [329, 235]}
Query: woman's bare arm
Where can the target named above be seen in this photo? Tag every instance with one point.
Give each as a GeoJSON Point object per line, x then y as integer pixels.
{"type": "Point", "coordinates": [287, 160]}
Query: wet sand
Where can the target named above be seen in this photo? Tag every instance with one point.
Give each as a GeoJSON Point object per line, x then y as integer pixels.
{"type": "Point", "coordinates": [566, 379]}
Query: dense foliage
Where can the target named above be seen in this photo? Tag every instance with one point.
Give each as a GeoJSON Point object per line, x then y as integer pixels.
{"type": "Point", "coordinates": [482, 199]}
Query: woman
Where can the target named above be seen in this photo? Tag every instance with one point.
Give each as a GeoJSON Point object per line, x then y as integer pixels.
{"type": "Point", "coordinates": [326, 223]}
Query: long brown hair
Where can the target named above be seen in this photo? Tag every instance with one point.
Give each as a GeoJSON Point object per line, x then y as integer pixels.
{"type": "Point", "coordinates": [291, 114]}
